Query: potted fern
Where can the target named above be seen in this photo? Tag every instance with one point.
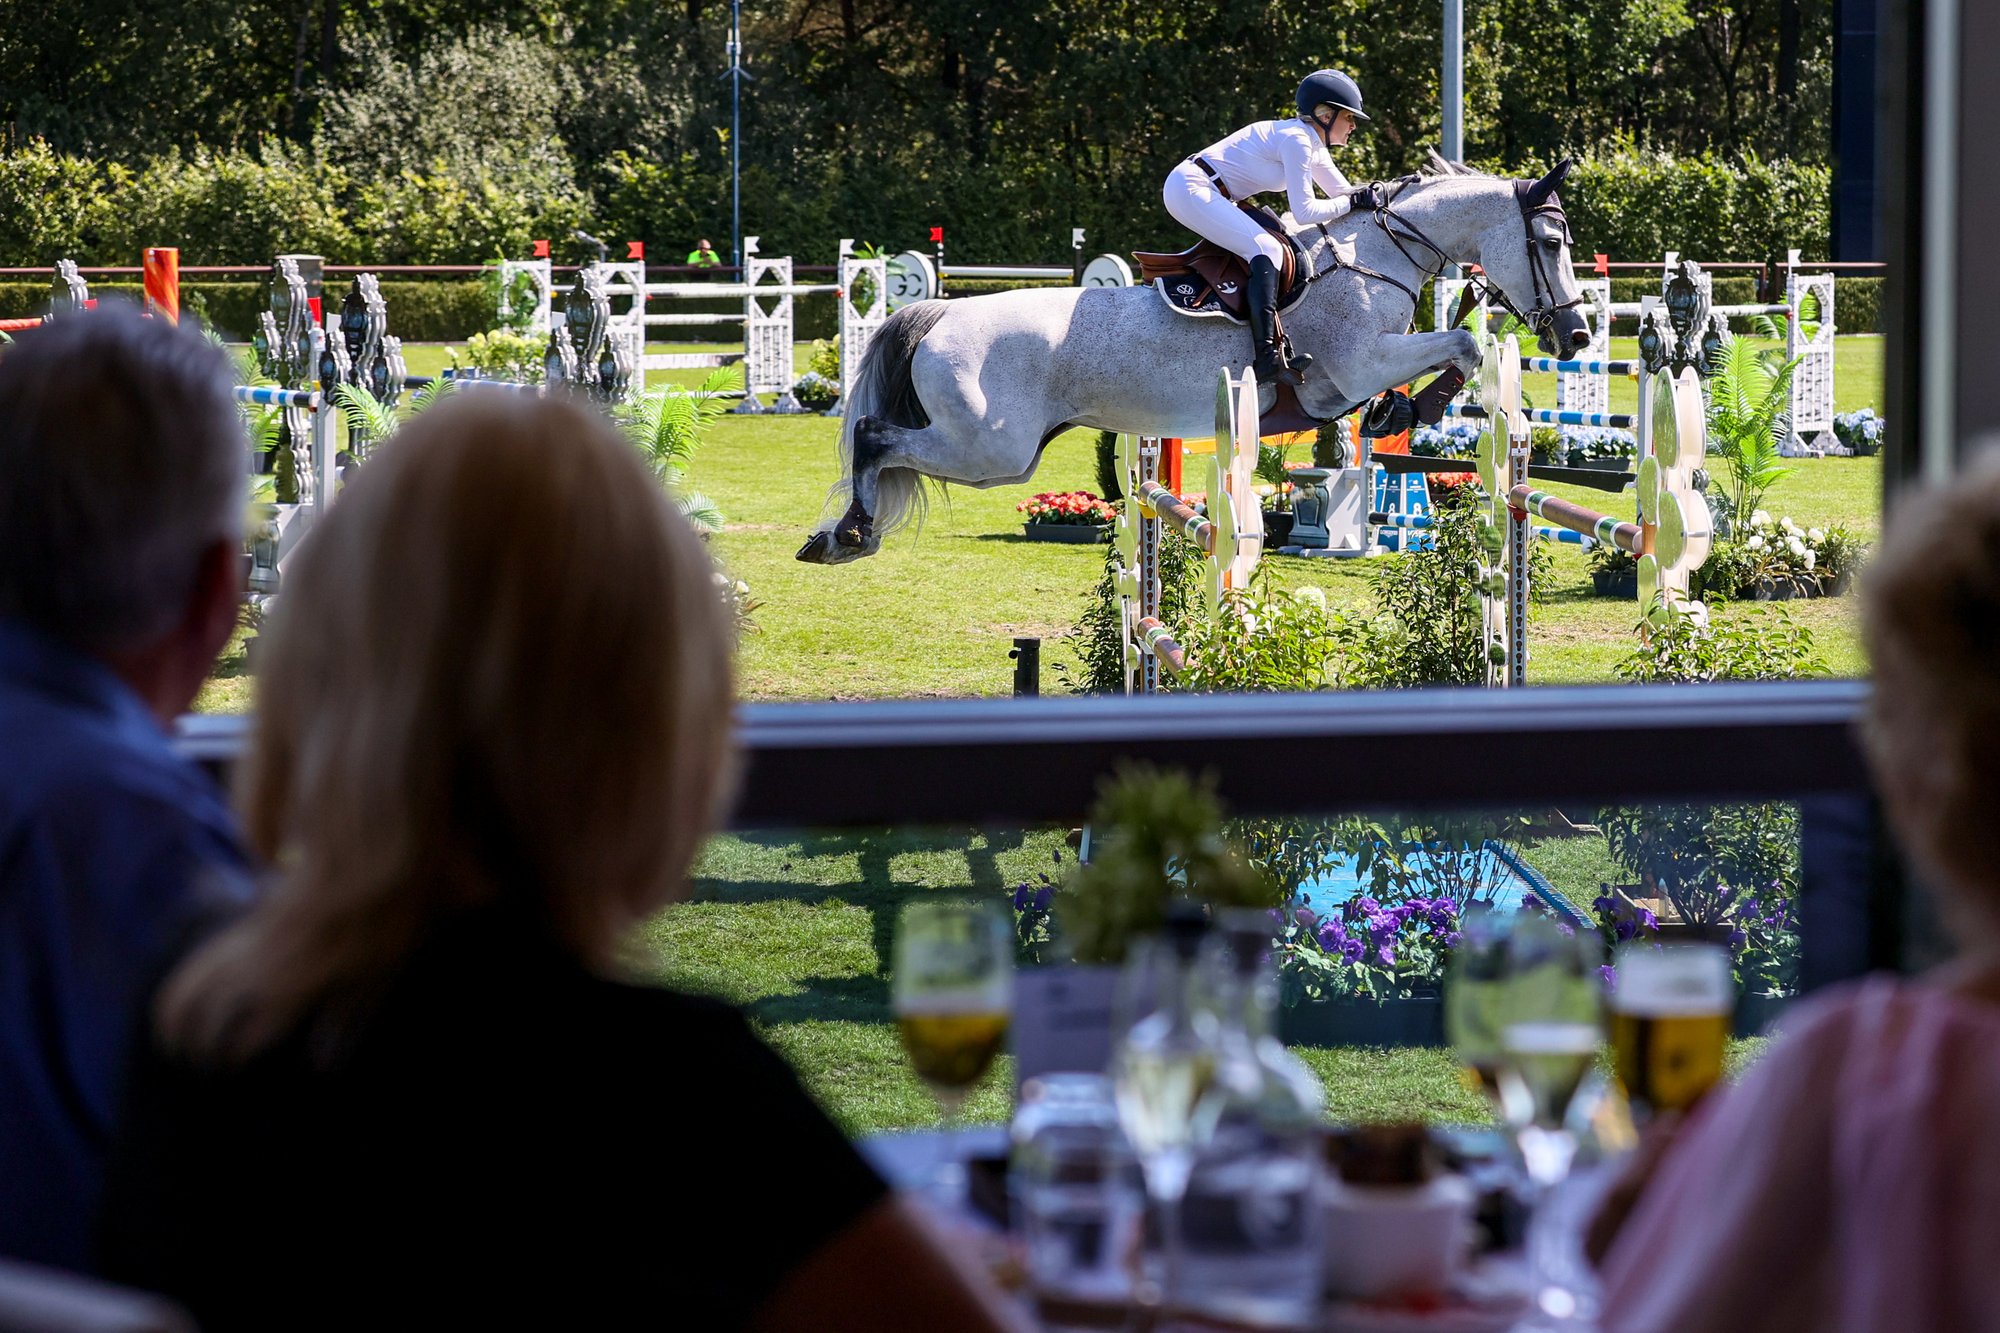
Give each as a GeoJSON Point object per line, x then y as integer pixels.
{"type": "Point", "coordinates": [667, 428]}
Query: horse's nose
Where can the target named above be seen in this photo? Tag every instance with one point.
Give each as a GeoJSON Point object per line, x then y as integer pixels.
{"type": "Point", "coordinates": [1579, 339]}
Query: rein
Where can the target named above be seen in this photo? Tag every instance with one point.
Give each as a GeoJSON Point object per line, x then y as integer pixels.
{"type": "Point", "coordinates": [1539, 319]}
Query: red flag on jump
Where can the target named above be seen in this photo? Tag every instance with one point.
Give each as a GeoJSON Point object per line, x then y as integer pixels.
{"type": "Point", "coordinates": [541, 249]}
{"type": "Point", "coordinates": [1602, 263]}
{"type": "Point", "coordinates": [635, 249]}
{"type": "Point", "coordinates": [937, 235]}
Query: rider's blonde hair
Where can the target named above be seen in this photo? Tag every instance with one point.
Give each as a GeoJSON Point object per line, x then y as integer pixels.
{"type": "Point", "coordinates": [500, 675]}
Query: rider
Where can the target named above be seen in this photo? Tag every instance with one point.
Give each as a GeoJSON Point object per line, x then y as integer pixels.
{"type": "Point", "coordinates": [1290, 155]}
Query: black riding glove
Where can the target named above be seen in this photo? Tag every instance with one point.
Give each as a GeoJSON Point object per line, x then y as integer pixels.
{"type": "Point", "coordinates": [1364, 196]}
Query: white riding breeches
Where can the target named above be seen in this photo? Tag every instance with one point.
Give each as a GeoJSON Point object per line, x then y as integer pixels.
{"type": "Point", "coordinates": [1194, 202]}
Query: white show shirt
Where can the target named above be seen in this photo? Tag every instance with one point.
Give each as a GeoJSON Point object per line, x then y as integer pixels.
{"type": "Point", "coordinates": [1280, 155]}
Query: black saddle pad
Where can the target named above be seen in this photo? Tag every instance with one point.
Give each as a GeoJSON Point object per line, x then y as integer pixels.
{"type": "Point", "coordinates": [1189, 293]}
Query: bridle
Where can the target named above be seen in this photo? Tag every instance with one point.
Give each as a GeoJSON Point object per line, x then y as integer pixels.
{"type": "Point", "coordinates": [1540, 318]}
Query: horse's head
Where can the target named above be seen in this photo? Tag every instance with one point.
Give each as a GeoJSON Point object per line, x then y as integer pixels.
{"type": "Point", "coordinates": [1526, 255]}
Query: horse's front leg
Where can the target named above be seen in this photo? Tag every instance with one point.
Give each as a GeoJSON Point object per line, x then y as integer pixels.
{"type": "Point", "coordinates": [1403, 358]}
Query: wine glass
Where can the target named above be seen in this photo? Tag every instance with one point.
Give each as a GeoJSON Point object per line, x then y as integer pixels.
{"type": "Point", "coordinates": [1550, 1035]}
{"type": "Point", "coordinates": [1551, 1029]}
{"type": "Point", "coordinates": [954, 991]}
{"type": "Point", "coordinates": [1162, 1073]}
{"type": "Point", "coordinates": [1475, 996]}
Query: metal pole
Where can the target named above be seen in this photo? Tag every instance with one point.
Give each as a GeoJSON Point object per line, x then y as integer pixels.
{"type": "Point", "coordinates": [736, 132]}
{"type": "Point", "coordinates": [1451, 91]}
{"type": "Point", "coordinates": [1451, 87]}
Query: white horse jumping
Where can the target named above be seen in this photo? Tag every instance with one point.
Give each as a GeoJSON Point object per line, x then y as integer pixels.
{"type": "Point", "coordinates": [971, 391]}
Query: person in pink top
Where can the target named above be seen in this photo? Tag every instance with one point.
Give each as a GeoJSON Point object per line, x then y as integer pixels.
{"type": "Point", "coordinates": [1851, 1180]}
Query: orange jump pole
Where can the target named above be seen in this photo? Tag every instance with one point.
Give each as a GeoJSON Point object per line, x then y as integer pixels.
{"type": "Point", "coordinates": [163, 281]}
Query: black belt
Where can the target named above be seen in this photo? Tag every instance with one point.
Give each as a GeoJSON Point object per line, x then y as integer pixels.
{"type": "Point", "coordinates": [1214, 177]}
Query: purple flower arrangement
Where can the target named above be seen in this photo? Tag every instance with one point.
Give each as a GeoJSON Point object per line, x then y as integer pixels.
{"type": "Point", "coordinates": [1759, 930]}
{"type": "Point", "coordinates": [1366, 947]}
{"type": "Point", "coordinates": [1034, 919]}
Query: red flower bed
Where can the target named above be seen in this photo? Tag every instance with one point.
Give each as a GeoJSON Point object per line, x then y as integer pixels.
{"type": "Point", "coordinates": [1070, 508]}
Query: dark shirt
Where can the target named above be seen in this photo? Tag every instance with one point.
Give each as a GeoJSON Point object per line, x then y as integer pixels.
{"type": "Point", "coordinates": [506, 1141]}
{"type": "Point", "coordinates": [111, 850]}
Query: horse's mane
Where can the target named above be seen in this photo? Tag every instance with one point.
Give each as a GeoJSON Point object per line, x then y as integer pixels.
{"type": "Point", "coordinates": [1439, 166]}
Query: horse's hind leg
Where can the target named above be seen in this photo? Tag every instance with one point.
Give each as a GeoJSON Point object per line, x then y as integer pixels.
{"type": "Point", "coordinates": [889, 461]}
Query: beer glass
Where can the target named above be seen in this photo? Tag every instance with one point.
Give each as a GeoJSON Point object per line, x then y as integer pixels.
{"type": "Point", "coordinates": [953, 993]}
{"type": "Point", "coordinates": [1670, 1021]}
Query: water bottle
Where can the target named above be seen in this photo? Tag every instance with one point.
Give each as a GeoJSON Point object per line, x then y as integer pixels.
{"type": "Point", "coordinates": [1252, 1240]}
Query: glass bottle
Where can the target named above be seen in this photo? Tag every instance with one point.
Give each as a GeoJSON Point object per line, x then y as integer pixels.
{"type": "Point", "coordinates": [1251, 1237]}
{"type": "Point", "coordinates": [1074, 1190]}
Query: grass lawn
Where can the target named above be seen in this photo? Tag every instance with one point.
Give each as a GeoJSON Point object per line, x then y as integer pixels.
{"type": "Point", "coordinates": [797, 928]}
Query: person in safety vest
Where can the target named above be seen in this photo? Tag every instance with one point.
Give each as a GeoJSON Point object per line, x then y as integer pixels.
{"type": "Point", "coordinates": [703, 254]}
{"type": "Point", "coordinates": [1204, 191]}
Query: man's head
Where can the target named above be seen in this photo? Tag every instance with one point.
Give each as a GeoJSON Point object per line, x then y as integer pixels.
{"type": "Point", "coordinates": [703, 244]}
{"type": "Point", "coordinates": [122, 475]}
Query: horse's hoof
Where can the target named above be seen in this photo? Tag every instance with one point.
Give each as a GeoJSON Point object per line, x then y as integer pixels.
{"type": "Point", "coordinates": [818, 549]}
{"type": "Point", "coordinates": [1432, 399]}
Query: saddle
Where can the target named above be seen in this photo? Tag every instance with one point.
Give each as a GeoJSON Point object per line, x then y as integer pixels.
{"type": "Point", "coordinates": [1206, 279]}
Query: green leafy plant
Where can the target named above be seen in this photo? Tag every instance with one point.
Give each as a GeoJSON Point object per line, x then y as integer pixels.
{"type": "Point", "coordinates": [1730, 874]}
{"type": "Point", "coordinates": [514, 301]}
{"type": "Point", "coordinates": [824, 359]}
{"type": "Point", "coordinates": [1749, 417]}
{"type": "Point", "coordinates": [1775, 558]}
{"type": "Point", "coordinates": [370, 421]}
{"type": "Point", "coordinates": [1274, 471]}
{"type": "Point", "coordinates": [1156, 838]}
{"type": "Point", "coordinates": [1610, 560]}
{"type": "Point", "coordinates": [667, 428]}
{"type": "Point", "coordinates": [1430, 627]}
{"type": "Point", "coordinates": [1097, 637]}
{"type": "Point", "coordinates": [1273, 642]}
{"type": "Point", "coordinates": [1685, 649]}
{"type": "Point", "coordinates": [505, 353]}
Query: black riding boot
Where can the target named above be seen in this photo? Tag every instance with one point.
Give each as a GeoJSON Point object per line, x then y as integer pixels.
{"type": "Point", "coordinates": [1272, 365]}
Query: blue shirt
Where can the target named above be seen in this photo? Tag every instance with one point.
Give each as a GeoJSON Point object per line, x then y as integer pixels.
{"type": "Point", "coordinates": [112, 850]}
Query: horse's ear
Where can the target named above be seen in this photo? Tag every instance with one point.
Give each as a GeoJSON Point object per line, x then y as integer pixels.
{"type": "Point", "coordinates": [1539, 192]}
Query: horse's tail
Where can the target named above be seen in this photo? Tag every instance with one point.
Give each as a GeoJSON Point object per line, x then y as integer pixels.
{"type": "Point", "coordinates": [883, 389]}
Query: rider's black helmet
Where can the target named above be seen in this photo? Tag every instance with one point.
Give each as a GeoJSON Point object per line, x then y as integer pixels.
{"type": "Point", "coordinates": [1330, 87]}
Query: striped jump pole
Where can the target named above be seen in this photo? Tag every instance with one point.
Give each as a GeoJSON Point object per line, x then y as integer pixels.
{"type": "Point", "coordinates": [1581, 366]}
{"type": "Point", "coordinates": [1574, 518]}
{"type": "Point", "coordinates": [270, 395]}
{"type": "Point", "coordinates": [1178, 514]}
{"type": "Point", "coordinates": [1161, 645]}
{"type": "Point", "coordinates": [1552, 416]}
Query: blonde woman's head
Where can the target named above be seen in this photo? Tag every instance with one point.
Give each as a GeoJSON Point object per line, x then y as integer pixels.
{"type": "Point", "coordinates": [499, 675]}
{"type": "Point", "coordinates": [1932, 620]}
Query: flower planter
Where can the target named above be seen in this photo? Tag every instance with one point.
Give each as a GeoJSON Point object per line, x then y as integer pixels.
{"type": "Point", "coordinates": [1778, 590]}
{"type": "Point", "coordinates": [1277, 528]}
{"type": "Point", "coordinates": [1615, 582]}
{"type": "Point", "coordinates": [1418, 1021]}
{"type": "Point", "coordinates": [1604, 464]}
{"type": "Point", "coordinates": [1073, 534]}
{"type": "Point", "coordinates": [1755, 1013]}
